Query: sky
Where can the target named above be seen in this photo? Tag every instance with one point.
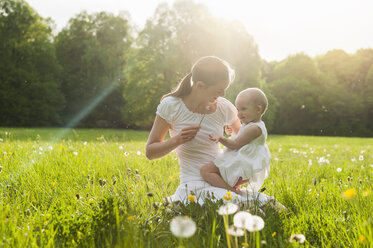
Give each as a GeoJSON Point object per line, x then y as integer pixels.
{"type": "Point", "coordinates": [279, 27]}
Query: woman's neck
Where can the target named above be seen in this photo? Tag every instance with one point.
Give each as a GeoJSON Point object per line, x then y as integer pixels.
{"type": "Point", "coordinates": [196, 105]}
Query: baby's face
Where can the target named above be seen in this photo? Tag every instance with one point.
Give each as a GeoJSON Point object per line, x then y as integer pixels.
{"type": "Point", "coordinates": [247, 112]}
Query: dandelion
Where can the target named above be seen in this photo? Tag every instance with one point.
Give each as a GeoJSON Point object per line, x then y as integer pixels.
{"type": "Point", "coordinates": [274, 234]}
{"type": "Point", "coordinates": [241, 219]}
{"type": "Point", "coordinates": [299, 238]}
{"type": "Point", "coordinates": [228, 209]}
{"type": "Point", "coordinates": [235, 231]}
{"type": "Point", "coordinates": [245, 244]}
{"type": "Point", "coordinates": [191, 198]}
{"type": "Point", "coordinates": [349, 194]}
{"type": "Point", "coordinates": [255, 223]}
{"type": "Point", "coordinates": [361, 157]}
{"type": "Point", "coordinates": [130, 217]}
{"type": "Point", "coordinates": [339, 169]}
{"type": "Point", "coordinates": [228, 196]}
{"type": "Point", "coordinates": [362, 238]}
{"type": "Point", "coordinates": [183, 227]}
{"type": "Point", "coordinates": [365, 192]}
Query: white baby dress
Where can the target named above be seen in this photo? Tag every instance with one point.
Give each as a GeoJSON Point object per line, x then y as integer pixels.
{"type": "Point", "coordinates": [249, 162]}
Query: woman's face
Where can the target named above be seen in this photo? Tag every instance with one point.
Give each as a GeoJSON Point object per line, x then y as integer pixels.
{"type": "Point", "coordinates": [212, 92]}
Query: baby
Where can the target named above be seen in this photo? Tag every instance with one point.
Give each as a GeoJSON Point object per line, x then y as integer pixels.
{"type": "Point", "coordinates": [246, 159]}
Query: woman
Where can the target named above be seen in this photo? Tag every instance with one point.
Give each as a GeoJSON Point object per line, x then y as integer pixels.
{"type": "Point", "coordinates": [193, 111]}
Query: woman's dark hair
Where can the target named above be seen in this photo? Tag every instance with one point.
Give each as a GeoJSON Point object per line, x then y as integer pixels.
{"type": "Point", "coordinates": [209, 70]}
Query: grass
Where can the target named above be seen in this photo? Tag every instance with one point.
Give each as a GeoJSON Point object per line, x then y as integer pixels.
{"type": "Point", "coordinates": [96, 188]}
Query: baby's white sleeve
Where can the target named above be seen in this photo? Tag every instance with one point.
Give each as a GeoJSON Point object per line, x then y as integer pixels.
{"type": "Point", "coordinates": [229, 111]}
{"type": "Point", "coordinates": [166, 109]}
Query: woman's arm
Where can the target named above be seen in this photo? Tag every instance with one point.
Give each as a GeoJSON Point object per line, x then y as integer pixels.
{"type": "Point", "coordinates": [156, 147]}
{"type": "Point", "coordinates": [246, 137]}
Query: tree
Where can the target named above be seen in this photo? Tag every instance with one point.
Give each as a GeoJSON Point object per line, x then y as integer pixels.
{"type": "Point", "coordinates": [29, 88]}
{"type": "Point", "coordinates": [93, 52]}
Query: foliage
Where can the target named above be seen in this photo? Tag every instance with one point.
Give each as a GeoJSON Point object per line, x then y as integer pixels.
{"type": "Point", "coordinates": [92, 51]}
{"type": "Point", "coordinates": [29, 85]}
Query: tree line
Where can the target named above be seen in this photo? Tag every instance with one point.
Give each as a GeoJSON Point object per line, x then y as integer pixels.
{"type": "Point", "coordinates": [101, 71]}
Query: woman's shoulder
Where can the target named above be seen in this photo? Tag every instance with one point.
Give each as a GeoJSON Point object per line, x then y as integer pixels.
{"type": "Point", "coordinates": [170, 100]}
{"type": "Point", "coordinates": [168, 108]}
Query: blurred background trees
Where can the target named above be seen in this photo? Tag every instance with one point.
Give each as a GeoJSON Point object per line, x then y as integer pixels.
{"type": "Point", "coordinates": [100, 69]}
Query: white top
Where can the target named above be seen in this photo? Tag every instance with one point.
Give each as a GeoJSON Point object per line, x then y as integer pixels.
{"type": "Point", "coordinates": [251, 161]}
{"type": "Point", "coordinates": [201, 150]}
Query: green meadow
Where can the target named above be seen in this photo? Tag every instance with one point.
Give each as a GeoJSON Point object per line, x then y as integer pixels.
{"type": "Point", "coordinates": [96, 188]}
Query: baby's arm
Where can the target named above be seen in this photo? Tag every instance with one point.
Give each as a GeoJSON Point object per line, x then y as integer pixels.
{"type": "Point", "coordinates": [244, 138]}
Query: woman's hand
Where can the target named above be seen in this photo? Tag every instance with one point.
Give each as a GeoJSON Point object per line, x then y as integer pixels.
{"type": "Point", "coordinates": [187, 134]}
{"type": "Point", "coordinates": [215, 139]}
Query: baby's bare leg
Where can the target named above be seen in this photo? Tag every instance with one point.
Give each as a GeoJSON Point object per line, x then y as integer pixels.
{"type": "Point", "coordinates": [211, 174]}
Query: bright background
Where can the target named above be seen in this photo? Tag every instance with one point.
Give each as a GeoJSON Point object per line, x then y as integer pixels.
{"type": "Point", "coordinates": [280, 28]}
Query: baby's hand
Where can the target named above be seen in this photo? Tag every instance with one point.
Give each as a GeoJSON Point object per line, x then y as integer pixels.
{"type": "Point", "coordinates": [228, 130]}
{"type": "Point", "coordinates": [215, 139]}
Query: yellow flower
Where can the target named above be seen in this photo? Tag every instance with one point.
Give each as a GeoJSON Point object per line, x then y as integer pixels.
{"type": "Point", "coordinates": [273, 234]}
{"type": "Point", "coordinates": [130, 217]}
{"type": "Point", "coordinates": [366, 192]}
{"type": "Point", "coordinates": [245, 244]}
{"type": "Point", "coordinates": [191, 198]}
{"type": "Point", "coordinates": [229, 193]}
{"type": "Point", "coordinates": [349, 194]}
{"type": "Point", "coordinates": [227, 197]}
{"type": "Point", "coordinates": [362, 238]}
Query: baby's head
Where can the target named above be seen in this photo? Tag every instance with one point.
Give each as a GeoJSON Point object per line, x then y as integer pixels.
{"type": "Point", "coordinates": [251, 105]}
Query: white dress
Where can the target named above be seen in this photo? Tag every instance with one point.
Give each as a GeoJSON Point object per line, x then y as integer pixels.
{"type": "Point", "coordinates": [249, 162]}
{"type": "Point", "coordinates": [194, 154]}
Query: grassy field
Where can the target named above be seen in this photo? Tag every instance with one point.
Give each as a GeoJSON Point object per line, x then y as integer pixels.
{"type": "Point", "coordinates": [96, 188]}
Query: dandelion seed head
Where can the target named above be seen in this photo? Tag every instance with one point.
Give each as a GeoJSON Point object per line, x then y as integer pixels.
{"type": "Point", "coordinates": [235, 231]}
{"type": "Point", "coordinates": [299, 238]}
{"type": "Point", "coordinates": [241, 218]}
{"type": "Point", "coordinates": [256, 223]}
{"type": "Point", "coordinates": [183, 227]}
{"type": "Point", "coordinates": [228, 209]}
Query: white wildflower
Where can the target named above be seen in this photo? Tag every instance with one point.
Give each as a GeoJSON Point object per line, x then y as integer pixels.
{"type": "Point", "coordinates": [339, 169]}
{"type": "Point", "coordinates": [75, 153]}
{"type": "Point", "coordinates": [235, 231]}
{"type": "Point", "coordinates": [183, 227]}
{"type": "Point", "coordinates": [309, 161]}
{"type": "Point", "coordinates": [121, 147]}
{"type": "Point", "coordinates": [299, 238]}
{"type": "Point", "coordinates": [228, 208]}
{"type": "Point", "coordinates": [138, 153]}
{"type": "Point", "coordinates": [241, 219]}
{"type": "Point", "coordinates": [50, 148]}
{"type": "Point", "coordinates": [256, 223]}
{"type": "Point", "coordinates": [361, 157]}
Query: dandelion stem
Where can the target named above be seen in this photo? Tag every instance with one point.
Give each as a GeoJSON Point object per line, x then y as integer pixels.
{"type": "Point", "coordinates": [225, 218]}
